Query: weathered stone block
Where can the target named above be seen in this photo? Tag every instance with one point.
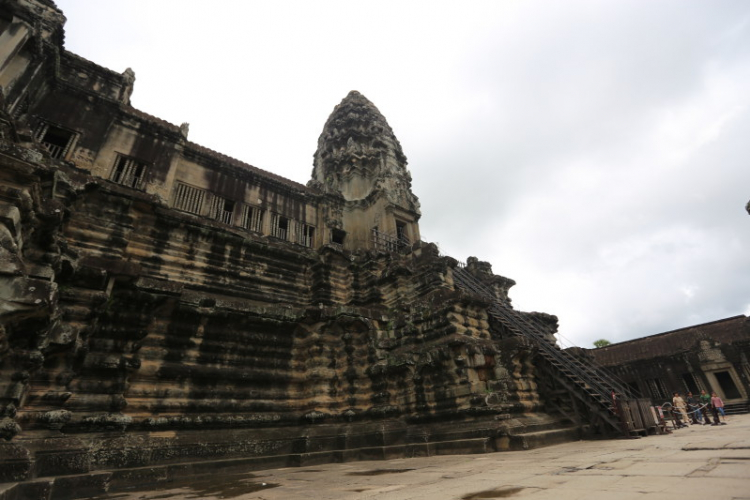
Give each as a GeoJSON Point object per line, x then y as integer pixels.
{"type": "Point", "coordinates": [15, 462]}
{"type": "Point", "coordinates": [69, 487]}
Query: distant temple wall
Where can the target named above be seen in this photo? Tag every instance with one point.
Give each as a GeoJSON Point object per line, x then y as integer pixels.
{"type": "Point", "coordinates": [712, 356]}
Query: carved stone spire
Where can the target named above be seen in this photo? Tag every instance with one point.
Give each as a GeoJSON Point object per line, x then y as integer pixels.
{"type": "Point", "coordinates": [358, 154]}
{"type": "Point", "coordinates": [359, 159]}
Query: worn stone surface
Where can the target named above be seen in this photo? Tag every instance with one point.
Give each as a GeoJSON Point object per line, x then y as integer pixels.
{"type": "Point", "coordinates": [693, 463]}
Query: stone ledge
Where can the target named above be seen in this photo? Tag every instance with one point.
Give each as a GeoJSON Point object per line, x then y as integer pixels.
{"type": "Point", "coordinates": [316, 445]}
{"type": "Point", "coordinates": [97, 483]}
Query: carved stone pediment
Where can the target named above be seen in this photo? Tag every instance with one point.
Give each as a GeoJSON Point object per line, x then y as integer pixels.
{"type": "Point", "coordinates": [710, 354]}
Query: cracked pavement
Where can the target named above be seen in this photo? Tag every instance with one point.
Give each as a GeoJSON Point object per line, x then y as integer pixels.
{"type": "Point", "coordinates": [695, 462]}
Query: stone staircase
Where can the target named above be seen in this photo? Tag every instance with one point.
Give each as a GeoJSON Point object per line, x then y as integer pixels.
{"type": "Point", "coordinates": [593, 387]}
{"type": "Point", "coordinates": [737, 408]}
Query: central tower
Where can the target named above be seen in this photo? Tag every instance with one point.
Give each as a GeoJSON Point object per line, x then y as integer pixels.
{"type": "Point", "coordinates": [360, 159]}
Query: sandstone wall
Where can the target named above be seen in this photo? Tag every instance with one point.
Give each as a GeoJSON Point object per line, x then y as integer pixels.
{"type": "Point", "coordinates": [155, 326]}
{"type": "Point", "coordinates": [162, 303]}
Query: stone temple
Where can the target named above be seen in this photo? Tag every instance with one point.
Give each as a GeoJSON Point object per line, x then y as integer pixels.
{"type": "Point", "coordinates": [164, 307]}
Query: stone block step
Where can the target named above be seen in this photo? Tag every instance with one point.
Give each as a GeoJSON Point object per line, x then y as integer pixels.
{"type": "Point", "coordinates": [538, 439]}
{"type": "Point", "coordinates": [737, 408]}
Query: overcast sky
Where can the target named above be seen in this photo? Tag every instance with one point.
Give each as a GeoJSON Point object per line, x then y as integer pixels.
{"type": "Point", "coordinates": [594, 151]}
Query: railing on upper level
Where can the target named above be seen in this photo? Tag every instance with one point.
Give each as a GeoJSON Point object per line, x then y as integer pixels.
{"type": "Point", "coordinates": [54, 150]}
{"type": "Point", "coordinates": [389, 243]}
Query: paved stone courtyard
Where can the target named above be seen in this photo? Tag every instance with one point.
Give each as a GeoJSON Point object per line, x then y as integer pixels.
{"type": "Point", "coordinates": [700, 462]}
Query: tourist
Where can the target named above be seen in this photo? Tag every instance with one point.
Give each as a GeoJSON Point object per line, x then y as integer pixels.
{"type": "Point", "coordinates": [694, 406]}
{"type": "Point", "coordinates": [717, 402]}
{"type": "Point", "coordinates": [679, 404]}
{"type": "Point", "coordinates": [706, 405]}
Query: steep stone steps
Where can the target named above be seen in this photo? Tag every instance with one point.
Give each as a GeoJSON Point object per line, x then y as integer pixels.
{"type": "Point", "coordinates": [737, 408]}
{"type": "Point", "coordinates": [538, 439]}
{"type": "Point", "coordinates": [590, 385]}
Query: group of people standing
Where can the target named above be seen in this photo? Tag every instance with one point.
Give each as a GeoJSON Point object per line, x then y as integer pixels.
{"type": "Point", "coordinates": [698, 409]}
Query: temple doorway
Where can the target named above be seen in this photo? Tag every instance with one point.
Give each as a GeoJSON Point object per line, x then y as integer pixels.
{"type": "Point", "coordinates": [728, 387]}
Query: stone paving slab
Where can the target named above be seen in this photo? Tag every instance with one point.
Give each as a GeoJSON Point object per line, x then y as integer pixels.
{"type": "Point", "coordinates": [697, 462]}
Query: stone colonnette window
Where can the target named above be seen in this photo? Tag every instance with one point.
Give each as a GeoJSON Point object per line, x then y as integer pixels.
{"type": "Point", "coordinates": [252, 218]}
{"type": "Point", "coordinates": [222, 210]}
{"type": "Point", "coordinates": [129, 172]}
{"type": "Point", "coordinates": [57, 141]}
{"type": "Point", "coordinates": [188, 198]}
{"type": "Point", "coordinates": [279, 226]}
{"type": "Point", "coordinates": [305, 234]}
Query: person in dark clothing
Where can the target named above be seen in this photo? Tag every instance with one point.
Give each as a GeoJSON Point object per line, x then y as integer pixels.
{"type": "Point", "coordinates": [694, 408]}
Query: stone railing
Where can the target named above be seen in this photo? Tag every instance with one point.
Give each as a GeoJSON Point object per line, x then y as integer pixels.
{"type": "Point", "coordinates": [387, 242]}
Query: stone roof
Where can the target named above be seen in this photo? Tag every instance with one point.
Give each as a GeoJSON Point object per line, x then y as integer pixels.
{"type": "Point", "coordinates": [725, 331]}
{"type": "Point", "coordinates": [172, 128]}
{"type": "Point", "coordinates": [246, 166]}
{"type": "Point", "coordinates": [87, 62]}
{"type": "Point", "coordinates": [142, 115]}
{"type": "Point", "coordinates": [228, 160]}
